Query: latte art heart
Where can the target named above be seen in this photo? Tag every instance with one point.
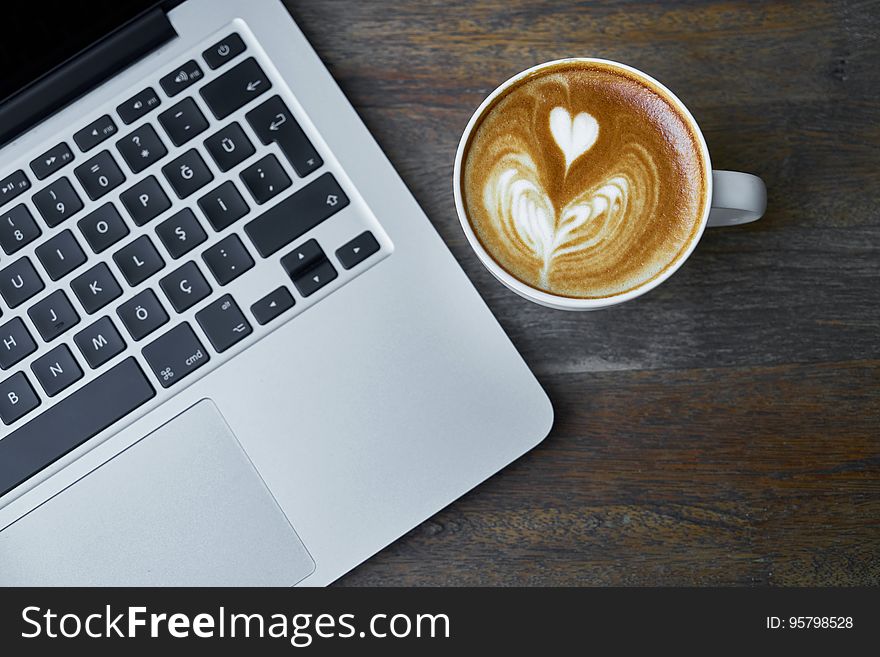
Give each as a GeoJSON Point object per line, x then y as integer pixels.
{"type": "Point", "coordinates": [582, 181]}
{"type": "Point", "coordinates": [574, 136]}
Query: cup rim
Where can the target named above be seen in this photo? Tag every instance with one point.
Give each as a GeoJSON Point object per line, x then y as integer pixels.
{"type": "Point", "coordinates": [546, 298]}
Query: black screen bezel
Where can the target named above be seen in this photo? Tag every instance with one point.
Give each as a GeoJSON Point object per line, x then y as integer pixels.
{"type": "Point", "coordinates": [29, 43]}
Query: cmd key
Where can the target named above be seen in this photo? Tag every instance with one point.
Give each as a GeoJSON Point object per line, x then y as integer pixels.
{"type": "Point", "coordinates": [175, 355]}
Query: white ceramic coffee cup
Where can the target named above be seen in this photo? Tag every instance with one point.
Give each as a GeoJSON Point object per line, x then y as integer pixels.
{"type": "Point", "coordinates": [734, 198]}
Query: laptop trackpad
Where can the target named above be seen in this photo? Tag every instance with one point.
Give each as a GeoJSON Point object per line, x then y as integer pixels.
{"type": "Point", "coordinates": [183, 506]}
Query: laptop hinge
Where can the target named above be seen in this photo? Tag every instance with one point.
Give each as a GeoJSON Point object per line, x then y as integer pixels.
{"type": "Point", "coordinates": [77, 76]}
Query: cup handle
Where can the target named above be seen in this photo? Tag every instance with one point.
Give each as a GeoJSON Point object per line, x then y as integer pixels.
{"type": "Point", "coordinates": [737, 198]}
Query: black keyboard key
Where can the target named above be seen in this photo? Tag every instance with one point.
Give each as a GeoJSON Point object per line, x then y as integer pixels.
{"type": "Point", "coordinates": [175, 355]}
{"type": "Point", "coordinates": [99, 175]}
{"type": "Point", "coordinates": [138, 260]}
{"type": "Point", "coordinates": [185, 287]}
{"type": "Point", "coordinates": [17, 399]}
{"type": "Point", "coordinates": [61, 255]}
{"type": "Point", "coordinates": [235, 88]}
{"type": "Point", "coordinates": [94, 133]}
{"type": "Point", "coordinates": [223, 206]}
{"type": "Point", "coordinates": [188, 173]}
{"type": "Point", "coordinates": [181, 233]}
{"type": "Point", "coordinates": [357, 250]}
{"type": "Point", "coordinates": [19, 282]}
{"type": "Point", "coordinates": [138, 105]}
{"type": "Point", "coordinates": [57, 202]}
{"type": "Point", "coordinates": [17, 229]}
{"type": "Point", "coordinates": [15, 343]}
{"type": "Point", "coordinates": [141, 148]}
{"type": "Point", "coordinates": [13, 185]}
{"type": "Point", "coordinates": [223, 51]}
{"type": "Point", "coordinates": [57, 370]}
{"type": "Point", "coordinates": [142, 315]}
{"type": "Point", "coordinates": [228, 259]}
{"type": "Point", "coordinates": [53, 315]}
{"type": "Point", "coordinates": [183, 121]}
{"type": "Point", "coordinates": [229, 147]}
{"type": "Point", "coordinates": [103, 228]}
{"type": "Point", "coordinates": [145, 201]}
{"type": "Point", "coordinates": [223, 323]}
{"type": "Point", "coordinates": [273, 122]}
{"type": "Point", "coordinates": [272, 305]}
{"type": "Point", "coordinates": [181, 77]}
{"type": "Point", "coordinates": [96, 288]}
{"type": "Point", "coordinates": [265, 179]}
{"type": "Point", "coordinates": [71, 422]}
{"type": "Point", "coordinates": [99, 342]}
{"type": "Point", "coordinates": [296, 215]}
{"type": "Point", "coordinates": [315, 278]}
{"type": "Point", "coordinates": [52, 160]}
{"type": "Point", "coordinates": [302, 258]}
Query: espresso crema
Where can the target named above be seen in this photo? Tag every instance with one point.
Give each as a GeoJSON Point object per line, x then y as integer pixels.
{"type": "Point", "coordinates": [584, 181]}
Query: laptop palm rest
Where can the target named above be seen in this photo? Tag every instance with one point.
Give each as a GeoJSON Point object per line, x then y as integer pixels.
{"type": "Point", "coordinates": [183, 506]}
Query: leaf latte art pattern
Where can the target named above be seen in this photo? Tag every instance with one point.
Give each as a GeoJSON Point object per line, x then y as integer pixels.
{"type": "Point", "coordinates": [583, 182]}
{"type": "Point", "coordinates": [526, 216]}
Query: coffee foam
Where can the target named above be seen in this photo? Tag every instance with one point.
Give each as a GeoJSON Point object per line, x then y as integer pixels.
{"type": "Point", "coordinates": [584, 181]}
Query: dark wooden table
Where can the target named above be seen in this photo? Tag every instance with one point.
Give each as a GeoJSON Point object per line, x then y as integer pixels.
{"type": "Point", "coordinates": [724, 428]}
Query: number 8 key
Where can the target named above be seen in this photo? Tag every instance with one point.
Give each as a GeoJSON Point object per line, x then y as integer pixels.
{"type": "Point", "coordinates": [17, 229]}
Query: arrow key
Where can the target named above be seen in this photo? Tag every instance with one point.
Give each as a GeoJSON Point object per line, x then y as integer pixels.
{"type": "Point", "coordinates": [302, 258]}
{"type": "Point", "coordinates": [272, 305]}
{"type": "Point", "coordinates": [357, 250]}
{"type": "Point", "coordinates": [315, 278]}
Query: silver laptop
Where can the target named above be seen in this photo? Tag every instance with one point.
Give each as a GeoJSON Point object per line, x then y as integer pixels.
{"type": "Point", "coordinates": [234, 351]}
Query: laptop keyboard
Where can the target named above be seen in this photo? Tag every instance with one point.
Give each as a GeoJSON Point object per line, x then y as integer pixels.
{"type": "Point", "coordinates": [173, 239]}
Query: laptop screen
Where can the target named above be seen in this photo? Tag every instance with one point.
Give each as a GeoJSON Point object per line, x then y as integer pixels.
{"type": "Point", "coordinates": [38, 35]}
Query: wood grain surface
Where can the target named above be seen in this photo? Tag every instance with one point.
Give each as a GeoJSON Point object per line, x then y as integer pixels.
{"type": "Point", "coordinates": [724, 428]}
